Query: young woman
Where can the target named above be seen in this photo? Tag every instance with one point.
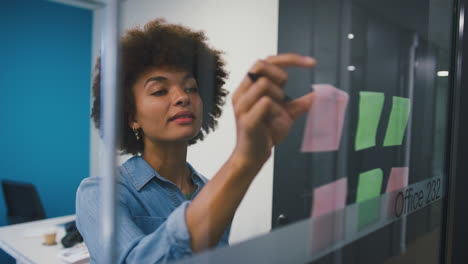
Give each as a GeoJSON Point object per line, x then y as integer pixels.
{"type": "Point", "coordinates": [173, 92]}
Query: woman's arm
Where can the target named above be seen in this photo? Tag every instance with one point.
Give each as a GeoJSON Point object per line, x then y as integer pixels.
{"type": "Point", "coordinates": [263, 119]}
{"type": "Point", "coordinates": [168, 242]}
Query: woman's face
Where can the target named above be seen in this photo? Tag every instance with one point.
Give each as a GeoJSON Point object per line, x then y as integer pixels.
{"type": "Point", "coordinates": [168, 105]}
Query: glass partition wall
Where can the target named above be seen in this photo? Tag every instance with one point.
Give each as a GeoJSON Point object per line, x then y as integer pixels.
{"type": "Point", "coordinates": [363, 175]}
{"type": "Point", "coordinates": [393, 60]}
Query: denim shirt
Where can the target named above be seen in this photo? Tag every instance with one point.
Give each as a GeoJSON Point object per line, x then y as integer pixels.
{"type": "Point", "coordinates": [151, 215]}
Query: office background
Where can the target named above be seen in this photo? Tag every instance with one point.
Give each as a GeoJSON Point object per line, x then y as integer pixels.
{"type": "Point", "coordinates": [45, 66]}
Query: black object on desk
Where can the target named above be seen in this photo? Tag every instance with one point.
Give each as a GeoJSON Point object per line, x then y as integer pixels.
{"type": "Point", "coordinates": [72, 236]}
{"type": "Point", "coordinates": [22, 201]}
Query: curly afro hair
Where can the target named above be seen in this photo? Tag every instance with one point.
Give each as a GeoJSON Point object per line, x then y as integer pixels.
{"type": "Point", "coordinates": [160, 44]}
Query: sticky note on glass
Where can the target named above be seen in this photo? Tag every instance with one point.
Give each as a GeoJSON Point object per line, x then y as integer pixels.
{"type": "Point", "coordinates": [327, 230]}
{"type": "Point", "coordinates": [369, 185]}
{"type": "Point", "coordinates": [398, 121]}
{"type": "Point", "coordinates": [368, 213]}
{"type": "Point", "coordinates": [370, 109]}
{"type": "Point", "coordinates": [330, 197]}
{"type": "Point", "coordinates": [325, 119]}
{"type": "Point", "coordinates": [398, 179]}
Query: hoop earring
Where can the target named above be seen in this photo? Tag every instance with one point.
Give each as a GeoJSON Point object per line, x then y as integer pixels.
{"type": "Point", "coordinates": [137, 133]}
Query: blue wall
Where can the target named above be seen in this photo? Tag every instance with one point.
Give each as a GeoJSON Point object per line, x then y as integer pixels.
{"type": "Point", "coordinates": [45, 65]}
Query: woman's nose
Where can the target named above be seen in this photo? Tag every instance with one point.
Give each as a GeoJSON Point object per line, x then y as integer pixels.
{"type": "Point", "coordinates": [181, 98]}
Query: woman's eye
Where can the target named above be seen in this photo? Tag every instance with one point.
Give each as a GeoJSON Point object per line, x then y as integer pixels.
{"type": "Point", "coordinates": [159, 93]}
{"type": "Point", "coordinates": [192, 90]}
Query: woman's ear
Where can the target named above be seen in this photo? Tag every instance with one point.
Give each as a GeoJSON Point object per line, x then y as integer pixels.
{"type": "Point", "coordinates": [132, 122]}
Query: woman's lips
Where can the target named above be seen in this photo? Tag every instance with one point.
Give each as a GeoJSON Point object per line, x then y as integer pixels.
{"type": "Point", "coordinates": [185, 117]}
{"type": "Point", "coordinates": [183, 120]}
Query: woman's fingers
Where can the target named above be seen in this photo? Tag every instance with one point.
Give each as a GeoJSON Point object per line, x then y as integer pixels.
{"type": "Point", "coordinates": [262, 87]}
{"type": "Point", "coordinates": [270, 71]}
{"type": "Point", "coordinates": [263, 111]}
{"type": "Point", "coordinates": [300, 105]}
{"type": "Point", "coordinates": [271, 68]}
{"type": "Point", "coordinates": [291, 59]}
{"type": "Point", "coordinates": [264, 69]}
{"type": "Point", "coordinates": [259, 111]}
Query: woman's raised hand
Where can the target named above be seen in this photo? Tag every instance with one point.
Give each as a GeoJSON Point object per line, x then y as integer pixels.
{"type": "Point", "coordinates": [263, 116]}
{"type": "Point", "coordinates": [263, 119]}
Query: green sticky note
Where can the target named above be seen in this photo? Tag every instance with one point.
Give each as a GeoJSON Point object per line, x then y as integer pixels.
{"type": "Point", "coordinates": [370, 109]}
{"type": "Point", "coordinates": [369, 185]}
{"type": "Point", "coordinates": [369, 213]}
{"type": "Point", "coordinates": [398, 121]}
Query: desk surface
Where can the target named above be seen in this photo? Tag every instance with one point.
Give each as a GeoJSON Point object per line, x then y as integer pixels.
{"type": "Point", "coordinates": [24, 242]}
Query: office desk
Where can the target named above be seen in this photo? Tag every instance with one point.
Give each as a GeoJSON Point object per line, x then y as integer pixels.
{"type": "Point", "coordinates": [19, 240]}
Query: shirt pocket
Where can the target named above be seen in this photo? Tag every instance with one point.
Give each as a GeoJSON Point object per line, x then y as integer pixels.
{"type": "Point", "coordinates": [148, 224]}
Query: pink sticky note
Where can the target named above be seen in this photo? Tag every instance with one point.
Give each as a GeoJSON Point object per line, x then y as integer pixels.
{"type": "Point", "coordinates": [330, 197]}
{"type": "Point", "coordinates": [324, 123]}
{"type": "Point", "coordinates": [327, 230]}
{"type": "Point", "coordinates": [398, 179]}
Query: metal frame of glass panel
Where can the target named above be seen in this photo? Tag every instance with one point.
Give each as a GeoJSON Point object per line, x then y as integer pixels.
{"type": "Point", "coordinates": [110, 123]}
{"type": "Point", "coordinates": [456, 228]}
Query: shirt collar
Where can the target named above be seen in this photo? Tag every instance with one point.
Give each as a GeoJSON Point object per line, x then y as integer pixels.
{"type": "Point", "coordinates": [140, 173]}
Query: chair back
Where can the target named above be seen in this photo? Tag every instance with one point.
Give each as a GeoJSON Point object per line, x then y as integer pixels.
{"type": "Point", "coordinates": [22, 202]}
